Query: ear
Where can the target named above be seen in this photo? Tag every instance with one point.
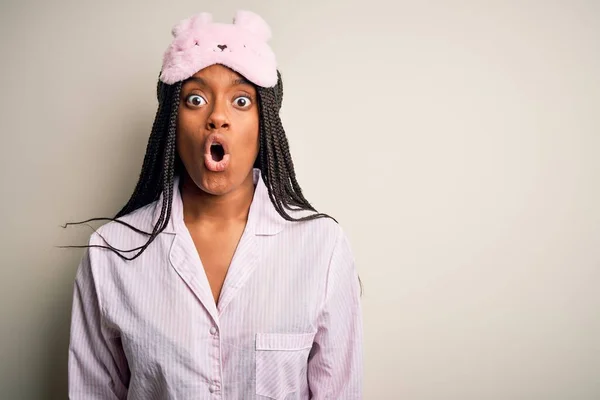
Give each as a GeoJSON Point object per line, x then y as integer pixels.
{"type": "Point", "coordinates": [253, 23]}
{"type": "Point", "coordinates": [191, 22]}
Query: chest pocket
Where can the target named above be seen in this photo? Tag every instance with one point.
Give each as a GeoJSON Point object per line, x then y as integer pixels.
{"type": "Point", "coordinates": [281, 363]}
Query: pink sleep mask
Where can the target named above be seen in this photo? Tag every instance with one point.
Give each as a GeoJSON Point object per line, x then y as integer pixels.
{"type": "Point", "coordinates": [241, 46]}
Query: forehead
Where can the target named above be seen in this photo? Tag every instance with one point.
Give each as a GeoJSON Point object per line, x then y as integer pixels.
{"type": "Point", "coordinates": [219, 73]}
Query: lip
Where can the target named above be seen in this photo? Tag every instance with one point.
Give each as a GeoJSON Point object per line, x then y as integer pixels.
{"type": "Point", "coordinates": [211, 165]}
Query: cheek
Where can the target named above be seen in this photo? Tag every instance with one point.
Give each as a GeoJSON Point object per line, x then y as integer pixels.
{"type": "Point", "coordinates": [250, 146]}
{"type": "Point", "coordinates": [186, 138]}
{"type": "Point", "coordinates": [252, 137]}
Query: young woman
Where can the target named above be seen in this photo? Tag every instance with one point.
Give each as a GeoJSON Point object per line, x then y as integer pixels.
{"type": "Point", "coordinates": [218, 279]}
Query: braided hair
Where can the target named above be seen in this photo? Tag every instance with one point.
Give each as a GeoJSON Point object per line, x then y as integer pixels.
{"type": "Point", "coordinates": [162, 163]}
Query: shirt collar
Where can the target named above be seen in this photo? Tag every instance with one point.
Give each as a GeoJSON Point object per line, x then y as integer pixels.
{"type": "Point", "coordinates": [263, 218]}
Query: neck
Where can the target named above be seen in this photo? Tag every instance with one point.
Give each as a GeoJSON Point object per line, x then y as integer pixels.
{"type": "Point", "coordinates": [201, 208]}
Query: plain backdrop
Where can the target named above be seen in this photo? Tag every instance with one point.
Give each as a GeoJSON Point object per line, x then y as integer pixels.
{"type": "Point", "coordinates": [457, 142]}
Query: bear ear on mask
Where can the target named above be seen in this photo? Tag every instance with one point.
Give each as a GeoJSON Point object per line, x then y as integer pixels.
{"type": "Point", "coordinates": [253, 24]}
{"type": "Point", "coordinates": [192, 22]}
{"type": "Point", "coordinates": [198, 42]}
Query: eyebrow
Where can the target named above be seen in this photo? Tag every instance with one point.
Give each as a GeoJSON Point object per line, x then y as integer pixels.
{"type": "Point", "coordinates": [241, 81]}
{"type": "Point", "coordinates": [235, 82]}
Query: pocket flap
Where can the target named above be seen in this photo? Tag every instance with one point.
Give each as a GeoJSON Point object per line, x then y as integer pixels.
{"type": "Point", "coordinates": [284, 341]}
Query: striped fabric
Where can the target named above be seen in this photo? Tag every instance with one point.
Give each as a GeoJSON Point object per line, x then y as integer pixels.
{"type": "Point", "coordinates": [287, 325]}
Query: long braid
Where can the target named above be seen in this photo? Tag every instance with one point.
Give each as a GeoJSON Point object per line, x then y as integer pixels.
{"type": "Point", "coordinates": [282, 146]}
{"type": "Point", "coordinates": [277, 134]}
{"type": "Point", "coordinates": [284, 142]}
{"type": "Point", "coordinates": [148, 177]}
{"type": "Point", "coordinates": [280, 163]}
{"type": "Point", "coordinates": [156, 178]}
{"type": "Point", "coordinates": [279, 174]}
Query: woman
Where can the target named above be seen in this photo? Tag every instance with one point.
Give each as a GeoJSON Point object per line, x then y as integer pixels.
{"type": "Point", "coordinates": [218, 279]}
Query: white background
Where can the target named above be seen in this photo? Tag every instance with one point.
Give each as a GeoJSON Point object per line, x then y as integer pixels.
{"type": "Point", "coordinates": [457, 142]}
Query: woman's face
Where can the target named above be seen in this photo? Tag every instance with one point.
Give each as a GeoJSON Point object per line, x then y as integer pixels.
{"type": "Point", "coordinates": [218, 129]}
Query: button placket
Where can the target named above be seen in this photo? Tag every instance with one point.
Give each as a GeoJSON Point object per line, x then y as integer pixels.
{"type": "Point", "coordinates": [214, 387]}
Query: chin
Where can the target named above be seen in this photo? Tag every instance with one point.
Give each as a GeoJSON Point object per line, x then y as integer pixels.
{"type": "Point", "coordinates": [218, 183]}
{"type": "Point", "coordinates": [215, 183]}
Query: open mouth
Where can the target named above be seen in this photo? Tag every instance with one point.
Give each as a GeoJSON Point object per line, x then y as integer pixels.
{"type": "Point", "coordinates": [217, 152]}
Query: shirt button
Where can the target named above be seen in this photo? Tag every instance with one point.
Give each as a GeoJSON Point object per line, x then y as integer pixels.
{"type": "Point", "coordinates": [213, 331]}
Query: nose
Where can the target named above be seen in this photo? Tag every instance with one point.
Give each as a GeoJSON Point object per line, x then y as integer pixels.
{"type": "Point", "coordinates": [218, 118]}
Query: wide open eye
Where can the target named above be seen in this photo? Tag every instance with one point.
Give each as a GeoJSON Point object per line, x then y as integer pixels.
{"type": "Point", "coordinates": [242, 102]}
{"type": "Point", "coordinates": [195, 100]}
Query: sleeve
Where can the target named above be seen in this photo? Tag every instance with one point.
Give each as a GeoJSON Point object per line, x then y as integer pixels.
{"type": "Point", "coordinates": [335, 366]}
{"type": "Point", "coordinates": [97, 367]}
